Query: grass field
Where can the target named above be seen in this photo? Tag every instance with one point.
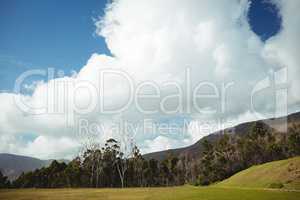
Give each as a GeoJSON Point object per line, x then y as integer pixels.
{"type": "Point", "coordinates": [176, 193]}
{"type": "Point", "coordinates": [281, 174]}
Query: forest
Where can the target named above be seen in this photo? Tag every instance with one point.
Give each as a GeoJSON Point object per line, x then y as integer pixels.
{"type": "Point", "coordinates": [108, 167]}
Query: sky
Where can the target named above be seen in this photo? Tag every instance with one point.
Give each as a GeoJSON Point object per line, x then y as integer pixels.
{"type": "Point", "coordinates": [50, 33]}
{"type": "Point", "coordinates": [61, 34]}
{"type": "Point", "coordinates": [240, 44]}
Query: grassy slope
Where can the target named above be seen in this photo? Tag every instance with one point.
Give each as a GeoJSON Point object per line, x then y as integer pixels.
{"type": "Point", "coordinates": [284, 172]}
{"type": "Point", "coordinates": [176, 193]}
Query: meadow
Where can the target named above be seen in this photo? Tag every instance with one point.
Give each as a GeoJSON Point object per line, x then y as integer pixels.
{"type": "Point", "coordinates": [170, 193]}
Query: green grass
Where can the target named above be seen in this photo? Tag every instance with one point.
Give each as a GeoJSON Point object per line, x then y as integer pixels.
{"type": "Point", "coordinates": [176, 193]}
{"type": "Point", "coordinates": [283, 174]}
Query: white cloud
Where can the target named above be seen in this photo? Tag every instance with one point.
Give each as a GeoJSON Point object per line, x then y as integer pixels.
{"type": "Point", "coordinates": [158, 40]}
{"type": "Point", "coordinates": [283, 49]}
{"type": "Point", "coordinates": [161, 143]}
{"type": "Point", "coordinates": [49, 147]}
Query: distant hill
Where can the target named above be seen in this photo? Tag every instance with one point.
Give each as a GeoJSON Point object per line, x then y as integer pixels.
{"type": "Point", "coordinates": [278, 174]}
{"type": "Point", "coordinates": [13, 165]}
{"type": "Point", "coordinates": [195, 150]}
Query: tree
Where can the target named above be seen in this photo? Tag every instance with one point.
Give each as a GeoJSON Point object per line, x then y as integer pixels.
{"type": "Point", "coordinates": [125, 152]}
{"type": "Point", "coordinates": [153, 172]}
{"type": "Point", "coordinates": [137, 162]}
{"type": "Point", "coordinates": [122, 166]}
{"type": "Point", "coordinates": [206, 175]}
{"type": "Point", "coordinates": [91, 158]}
{"type": "Point", "coordinates": [73, 173]}
{"type": "Point", "coordinates": [294, 140]}
{"type": "Point", "coordinates": [4, 182]}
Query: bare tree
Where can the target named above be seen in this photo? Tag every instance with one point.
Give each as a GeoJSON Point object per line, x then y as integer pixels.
{"type": "Point", "coordinates": [126, 151]}
{"type": "Point", "coordinates": [122, 166]}
{"type": "Point", "coordinates": [90, 152]}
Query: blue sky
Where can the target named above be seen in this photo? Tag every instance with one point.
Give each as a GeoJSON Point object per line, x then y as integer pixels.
{"type": "Point", "coordinates": [48, 33]}
{"type": "Point", "coordinates": [60, 34]}
{"type": "Point", "coordinates": [264, 19]}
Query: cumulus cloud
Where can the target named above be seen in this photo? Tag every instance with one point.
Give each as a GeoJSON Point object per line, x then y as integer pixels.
{"type": "Point", "coordinates": [51, 147]}
{"type": "Point", "coordinates": [169, 50]}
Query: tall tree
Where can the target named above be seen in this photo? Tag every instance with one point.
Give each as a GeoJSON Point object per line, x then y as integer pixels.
{"type": "Point", "coordinates": [4, 183]}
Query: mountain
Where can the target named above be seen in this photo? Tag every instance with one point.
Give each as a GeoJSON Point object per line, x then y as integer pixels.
{"type": "Point", "coordinates": [278, 174]}
{"type": "Point", "coordinates": [195, 150]}
{"type": "Point", "coordinates": [13, 165]}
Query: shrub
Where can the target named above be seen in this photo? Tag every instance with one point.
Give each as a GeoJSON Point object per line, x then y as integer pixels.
{"type": "Point", "coordinates": [276, 185]}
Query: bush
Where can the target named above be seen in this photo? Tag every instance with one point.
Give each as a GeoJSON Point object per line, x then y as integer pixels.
{"type": "Point", "coordinates": [276, 185]}
{"type": "Point", "coordinates": [201, 181]}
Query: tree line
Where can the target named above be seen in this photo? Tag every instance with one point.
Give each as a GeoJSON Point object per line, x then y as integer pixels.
{"type": "Point", "coordinates": [110, 167]}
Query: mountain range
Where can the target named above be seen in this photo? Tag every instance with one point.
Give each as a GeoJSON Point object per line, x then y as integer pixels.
{"type": "Point", "coordinates": [12, 165]}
